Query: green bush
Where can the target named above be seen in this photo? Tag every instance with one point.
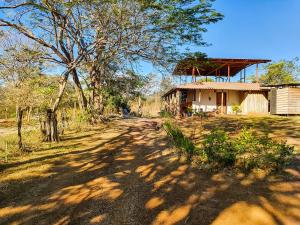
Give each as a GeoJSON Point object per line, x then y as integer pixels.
{"type": "Point", "coordinates": [236, 109]}
{"type": "Point", "coordinates": [180, 141]}
{"type": "Point", "coordinates": [261, 151]}
{"type": "Point", "coordinates": [218, 149]}
{"type": "Point", "coordinates": [247, 150]}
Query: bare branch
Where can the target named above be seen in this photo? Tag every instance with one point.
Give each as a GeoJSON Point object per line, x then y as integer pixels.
{"type": "Point", "coordinates": [16, 6]}
{"type": "Point", "coordinates": [33, 37]}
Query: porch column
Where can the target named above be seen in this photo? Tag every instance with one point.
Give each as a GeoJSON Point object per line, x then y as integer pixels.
{"type": "Point", "coordinates": [256, 76]}
{"type": "Point", "coordinates": [228, 72]}
{"type": "Point", "coordinates": [178, 102]}
{"type": "Point", "coordinates": [193, 74]}
{"type": "Point", "coordinates": [222, 102]}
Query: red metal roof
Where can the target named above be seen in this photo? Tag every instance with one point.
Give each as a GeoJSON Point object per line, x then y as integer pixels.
{"type": "Point", "coordinates": [214, 66]}
{"type": "Point", "coordinates": [235, 86]}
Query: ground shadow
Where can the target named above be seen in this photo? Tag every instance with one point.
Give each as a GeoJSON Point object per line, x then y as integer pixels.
{"type": "Point", "coordinates": [133, 177]}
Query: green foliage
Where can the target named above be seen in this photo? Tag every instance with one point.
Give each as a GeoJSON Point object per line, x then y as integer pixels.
{"type": "Point", "coordinates": [83, 117]}
{"type": "Point", "coordinates": [118, 91]}
{"type": "Point", "coordinates": [165, 114]}
{"type": "Point", "coordinates": [261, 151]}
{"type": "Point", "coordinates": [281, 72]}
{"type": "Point", "coordinates": [180, 141]}
{"type": "Point", "coordinates": [247, 150]}
{"type": "Point", "coordinates": [236, 109]}
{"type": "Point", "coordinates": [219, 149]}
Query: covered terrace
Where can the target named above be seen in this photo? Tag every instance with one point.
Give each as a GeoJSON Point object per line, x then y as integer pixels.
{"type": "Point", "coordinates": [223, 69]}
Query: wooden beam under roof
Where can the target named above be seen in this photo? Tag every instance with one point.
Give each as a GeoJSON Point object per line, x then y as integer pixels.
{"type": "Point", "coordinates": [209, 66]}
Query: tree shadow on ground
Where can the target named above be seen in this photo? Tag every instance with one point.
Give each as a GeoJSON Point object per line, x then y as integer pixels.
{"type": "Point", "coordinates": [132, 177]}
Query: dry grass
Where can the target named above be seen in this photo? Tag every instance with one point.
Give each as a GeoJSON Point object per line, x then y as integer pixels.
{"type": "Point", "coordinates": [124, 173]}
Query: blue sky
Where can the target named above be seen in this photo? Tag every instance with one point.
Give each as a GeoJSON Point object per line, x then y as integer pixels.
{"type": "Point", "coordinates": [266, 29]}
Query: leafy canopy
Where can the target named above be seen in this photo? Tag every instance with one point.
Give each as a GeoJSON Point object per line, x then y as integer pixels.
{"type": "Point", "coordinates": [281, 72]}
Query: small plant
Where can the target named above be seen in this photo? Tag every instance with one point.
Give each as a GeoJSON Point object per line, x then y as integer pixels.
{"type": "Point", "coordinates": [201, 115]}
{"type": "Point", "coordinates": [189, 111]}
{"type": "Point", "coordinates": [236, 109]}
{"type": "Point", "coordinates": [180, 141]}
{"type": "Point", "coordinates": [165, 114]}
{"type": "Point", "coordinates": [218, 148]}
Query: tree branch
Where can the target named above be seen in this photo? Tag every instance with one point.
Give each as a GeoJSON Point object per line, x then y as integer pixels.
{"type": "Point", "coordinates": [30, 35]}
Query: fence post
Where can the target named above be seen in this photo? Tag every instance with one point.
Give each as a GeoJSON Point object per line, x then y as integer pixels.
{"type": "Point", "coordinates": [6, 151]}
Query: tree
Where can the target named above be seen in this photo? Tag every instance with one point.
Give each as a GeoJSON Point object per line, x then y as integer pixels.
{"type": "Point", "coordinates": [166, 84]}
{"type": "Point", "coordinates": [19, 67]}
{"type": "Point", "coordinates": [55, 25]}
{"type": "Point", "coordinates": [152, 31]}
{"type": "Point", "coordinates": [107, 38]}
{"type": "Point", "coordinates": [281, 72]}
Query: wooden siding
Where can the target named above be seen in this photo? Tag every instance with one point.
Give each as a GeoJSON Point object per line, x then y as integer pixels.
{"type": "Point", "coordinates": [282, 103]}
{"type": "Point", "coordinates": [285, 101]}
{"type": "Point", "coordinates": [254, 102]}
{"type": "Point", "coordinates": [272, 98]}
{"type": "Point", "coordinates": [294, 100]}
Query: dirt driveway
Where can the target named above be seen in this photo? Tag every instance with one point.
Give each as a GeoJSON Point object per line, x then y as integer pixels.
{"type": "Point", "coordinates": [126, 174]}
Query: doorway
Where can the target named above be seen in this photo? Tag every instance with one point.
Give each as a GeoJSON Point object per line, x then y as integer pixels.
{"type": "Point", "coordinates": [222, 108]}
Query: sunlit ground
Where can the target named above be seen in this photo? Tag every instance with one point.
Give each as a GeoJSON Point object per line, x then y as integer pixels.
{"type": "Point", "coordinates": [125, 173]}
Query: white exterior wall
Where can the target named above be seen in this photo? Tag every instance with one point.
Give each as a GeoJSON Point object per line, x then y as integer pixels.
{"type": "Point", "coordinates": [233, 98]}
{"type": "Point", "coordinates": [205, 100]}
{"type": "Point", "coordinates": [253, 102]}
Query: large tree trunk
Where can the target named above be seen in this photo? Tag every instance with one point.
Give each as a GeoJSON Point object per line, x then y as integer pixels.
{"type": "Point", "coordinates": [81, 97]}
{"type": "Point", "coordinates": [51, 130]}
{"type": "Point", "coordinates": [19, 123]}
{"type": "Point", "coordinates": [96, 97]}
{"type": "Point", "coordinates": [139, 106]}
{"type": "Point", "coordinates": [63, 120]}
{"type": "Point", "coordinates": [51, 127]}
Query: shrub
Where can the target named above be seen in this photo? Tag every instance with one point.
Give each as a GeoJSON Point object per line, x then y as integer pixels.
{"type": "Point", "coordinates": [246, 141]}
{"type": "Point", "coordinates": [261, 151]}
{"type": "Point", "coordinates": [236, 109]}
{"type": "Point", "coordinates": [180, 141]}
{"type": "Point", "coordinates": [247, 150]}
{"type": "Point", "coordinates": [218, 149]}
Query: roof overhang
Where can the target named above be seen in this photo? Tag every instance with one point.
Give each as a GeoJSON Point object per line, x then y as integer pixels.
{"type": "Point", "coordinates": [233, 86]}
{"type": "Point", "coordinates": [282, 85]}
{"type": "Point", "coordinates": [214, 66]}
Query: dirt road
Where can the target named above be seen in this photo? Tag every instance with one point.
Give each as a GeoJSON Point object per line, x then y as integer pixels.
{"type": "Point", "coordinates": [126, 174]}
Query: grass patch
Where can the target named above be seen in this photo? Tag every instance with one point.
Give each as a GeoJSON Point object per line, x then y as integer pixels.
{"type": "Point", "coordinates": [181, 142]}
{"type": "Point", "coordinates": [9, 144]}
